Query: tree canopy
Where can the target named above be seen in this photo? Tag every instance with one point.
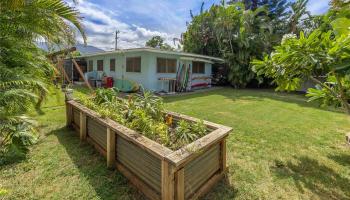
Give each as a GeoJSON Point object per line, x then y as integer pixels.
{"type": "Point", "coordinates": [158, 42]}
{"type": "Point", "coordinates": [239, 33]}
{"type": "Point", "coordinates": [322, 57]}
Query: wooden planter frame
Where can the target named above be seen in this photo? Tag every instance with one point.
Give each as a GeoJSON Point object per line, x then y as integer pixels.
{"type": "Point", "coordinates": [199, 165]}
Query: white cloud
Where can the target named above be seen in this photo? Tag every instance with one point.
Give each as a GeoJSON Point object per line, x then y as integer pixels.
{"type": "Point", "coordinates": [100, 25]}
{"type": "Point", "coordinates": [139, 20]}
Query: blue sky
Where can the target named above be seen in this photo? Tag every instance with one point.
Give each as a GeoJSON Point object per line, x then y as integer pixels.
{"type": "Point", "coordinates": [139, 20]}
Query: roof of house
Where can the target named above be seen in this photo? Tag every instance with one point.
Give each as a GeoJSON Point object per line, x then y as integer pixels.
{"type": "Point", "coordinates": [83, 49]}
{"type": "Point", "coordinates": [153, 50]}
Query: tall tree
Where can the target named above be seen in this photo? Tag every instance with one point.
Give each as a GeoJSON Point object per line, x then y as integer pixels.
{"type": "Point", "coordinates": [158, 42]}
{"type": "Point", "coordinates": [233, 33]}
{"type": "Point", "coordinates": [299, 10]}
{"type": "Point", "coordinates": [155, 41]}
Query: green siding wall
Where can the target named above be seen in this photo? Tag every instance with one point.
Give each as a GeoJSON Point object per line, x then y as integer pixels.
{"type": "Point", "coordinates": [148, 77]}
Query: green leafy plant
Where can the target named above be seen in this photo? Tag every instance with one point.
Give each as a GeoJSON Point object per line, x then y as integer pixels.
{"type": "Point", "coordinates": [320, 54]}
{"type": "Point", "coordinates": [199, 128]}
{"type": "Point", "coordinates": [105, 96]}
{"type": "Point", "coordinates": [25, 71]}
{"type": "Point", "coordinates": [144, 113]}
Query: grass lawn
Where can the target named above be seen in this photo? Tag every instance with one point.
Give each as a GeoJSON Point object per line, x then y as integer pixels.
{"type": "Point", "coordinates": [281, 148]}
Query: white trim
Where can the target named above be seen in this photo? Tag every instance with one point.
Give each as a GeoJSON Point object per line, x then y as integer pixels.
{"type": "Point", "coordinates": [210, 58]}
{"type": "Point", "coordinates": [196, 59]}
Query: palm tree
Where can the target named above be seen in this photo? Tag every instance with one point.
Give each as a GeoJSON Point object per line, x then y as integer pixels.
{"type": "Point", "coordinates": [299, 11]}
{"type": "Point", "coordinates": [25, 72]}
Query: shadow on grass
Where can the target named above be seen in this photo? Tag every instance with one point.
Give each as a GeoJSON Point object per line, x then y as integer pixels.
{"type": "Point", "coordinates": [309, 174]}
{"type": "Point", "coordinates": [108, 184]}
{"type": "Point", "coordinates": [341, 159]}
{"type": "Point", "coordinates": [12, 158]}
{"type": "Point", "coordinates": [254, 95]}
{"type": "Point", "coordinates": [223, 190]}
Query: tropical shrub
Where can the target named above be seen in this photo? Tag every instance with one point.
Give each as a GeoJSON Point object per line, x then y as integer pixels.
{"type": "Point", "coordinates": [144, 113]}
{"type": "Point", "coordinates": [321, 54]}
{"type": "Point", "coordinates": [240, 32]}
{"type": "Point", "coordinates": [25, 71]}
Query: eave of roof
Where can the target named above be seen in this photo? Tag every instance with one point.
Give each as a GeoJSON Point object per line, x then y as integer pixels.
{"type": "Point", "coordinates": [214, 59]}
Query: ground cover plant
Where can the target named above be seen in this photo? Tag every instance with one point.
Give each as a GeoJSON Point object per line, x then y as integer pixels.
{"type": "Point", "coordinates": [144, 113]}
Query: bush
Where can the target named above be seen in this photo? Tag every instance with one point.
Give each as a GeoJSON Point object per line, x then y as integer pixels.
{"type": "Point", "coordinates": [144, 113]}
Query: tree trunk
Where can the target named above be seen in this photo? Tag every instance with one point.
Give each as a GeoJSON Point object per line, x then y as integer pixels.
{"type": "Point", "coordinates": [342, 95]}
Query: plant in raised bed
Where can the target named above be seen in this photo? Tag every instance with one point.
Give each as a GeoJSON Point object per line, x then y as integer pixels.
{"type": "Point", "coordinates": [144, 113]}
{"type": "Point", "coordinates": [164, 154]}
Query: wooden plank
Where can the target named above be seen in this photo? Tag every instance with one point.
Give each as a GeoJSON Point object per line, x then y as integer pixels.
{"type": "Point", "coordinates": [110, 148]}
{"type": "Point", "coordinates": [210, 125]}
{"type": "Point", "coordinates": [151, 194]}
{"type": "Point", "coordinates": [180, 184]}
{"type": "Point", "coordinates": [82, 126]}
{"type": "Point", "coordinates": [81, 73]}
{"type": "Point", "coordinates": [184, 155]}
{"type": "Point", "coordinates": [208, 186]}
{"type": "Point", "coordinates": [223, 165]}
{"type": "Point", "coordinates": [165, 180]}
{"type": "Point", "coordinates": [69, 114]}
{"type": "Point", "coordinates": [60, 67]}
{"type": "Point", "coordinates": [171, 182]}
{"type": "Point", "coordinates": [143, 142]}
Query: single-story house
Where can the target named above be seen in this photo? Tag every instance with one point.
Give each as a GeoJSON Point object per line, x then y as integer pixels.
{"type": "Point", "coordinates": [154, 69]}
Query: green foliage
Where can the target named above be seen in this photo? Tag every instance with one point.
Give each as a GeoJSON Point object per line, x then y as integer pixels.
{"type": "Point", "coordinates": [186, 132]}
{"type": "Point", "coordinates": [183, 132]}
{"type": "Point", "coordinates": [25, 71]}
{"type": "Point", "coordinates": [310, 57]}
{"type": "Point", "coordinates": [105, 96]}
{"type": "Point", "coordinates": [299, 11]}
{"type": "Point", "coordinates": [151, 104]}
{"type": "Point", "coordinates": [237, 35]}
{"type": "Point", "coordinates": [158, 42]}
{"type": "Point", "coordinates": [16, 134]}
{"type": "Point", "coordinates": [144, 113]}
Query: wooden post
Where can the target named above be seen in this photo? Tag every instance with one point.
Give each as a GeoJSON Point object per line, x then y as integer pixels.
{"type": "Point", "coordinates": [69, 110]}
{"type": "Point", "coordinates": [69, 115]}
{"type": "Point", "coordinates": [110, 148]}
{"type": "Point", "coordinates": [81, 73]}
{"type": "Point", "coordinates": [61, 67]}
{"type": "Point", "coordinates": [180, 184]}
{"type": "Point", "coordinates": [167, 181]}
{"type": "Point", "coordinates": [82, 126]}
{"type": "Point", "coordinates": [223, 166]}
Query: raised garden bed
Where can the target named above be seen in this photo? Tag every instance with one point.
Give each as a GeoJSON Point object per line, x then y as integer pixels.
{"type": "Point", "coordinates": [157, 171]}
